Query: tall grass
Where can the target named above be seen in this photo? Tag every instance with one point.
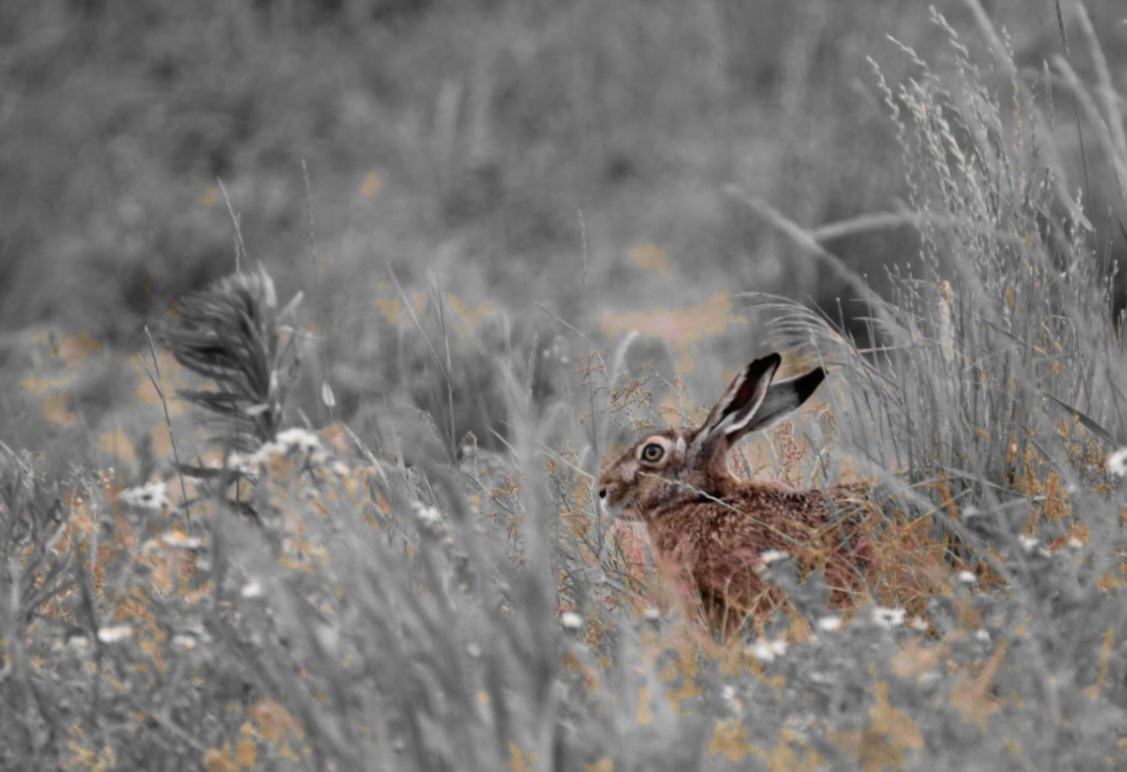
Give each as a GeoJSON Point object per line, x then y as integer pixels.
{"type": "Point", "coordinates": [995, 394]}
{"type": "Point", "coordinates": [404, 600]}
{"type": "Point", "coordinates": [1016, 294]}
{"type": "Point", "coordinates": [1000, 379]}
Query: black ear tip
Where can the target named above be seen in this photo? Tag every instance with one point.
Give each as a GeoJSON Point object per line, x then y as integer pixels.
{"type": "Point", "coordinates": [806, 384]}
{"type": "Point", "coordinates": [759, 367]}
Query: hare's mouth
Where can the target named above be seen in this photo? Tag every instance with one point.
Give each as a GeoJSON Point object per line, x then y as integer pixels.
{"type": "Point", "coordinates": [617, 505]}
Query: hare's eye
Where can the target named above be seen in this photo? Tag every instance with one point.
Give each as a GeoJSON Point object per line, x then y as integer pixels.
{"type": "Point", "coordinates": [652, 452]}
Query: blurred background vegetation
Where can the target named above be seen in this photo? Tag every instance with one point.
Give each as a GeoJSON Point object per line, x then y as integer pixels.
{"type": "Point", "coordinates": [531, 157]}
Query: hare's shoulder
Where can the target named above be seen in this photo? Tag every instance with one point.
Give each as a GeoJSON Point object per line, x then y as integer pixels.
{"type": "Point", "coordinates": [712, 526]}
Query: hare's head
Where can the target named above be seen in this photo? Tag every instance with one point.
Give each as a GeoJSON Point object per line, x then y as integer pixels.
{"type": "Point", "coordinates": [664, 467]}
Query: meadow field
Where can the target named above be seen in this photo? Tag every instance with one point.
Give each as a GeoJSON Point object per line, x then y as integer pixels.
{"type": "Point", "coordinates": [317, 318]}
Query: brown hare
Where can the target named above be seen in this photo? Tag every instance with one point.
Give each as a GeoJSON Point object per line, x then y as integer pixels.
{"type": "Point", "coordinates": [709, 529]}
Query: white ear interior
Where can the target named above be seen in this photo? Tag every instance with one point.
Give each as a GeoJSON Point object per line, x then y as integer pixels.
{"type": "Point", "coordinates": [733, 423]}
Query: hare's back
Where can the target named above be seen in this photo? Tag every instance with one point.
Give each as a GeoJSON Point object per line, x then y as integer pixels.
{"type": "Point", "coordinates": [773, 503]}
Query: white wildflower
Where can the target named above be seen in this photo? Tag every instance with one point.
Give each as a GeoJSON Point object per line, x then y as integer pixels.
{"type": "Point", "coordinates": [765, 651]}
{"type": "Point", "coordinates": [1028, 543]}
{"type": "Point", "coordinates": [730, 695]}
{"type": "Point", "coordinates": [919, 624]}
{"type": "Point", "coordinates": [185, 641]}
{"type": "Point", "coordinates": [982, 634]}
{"type": "Point", "coordinates": [236, 460]}
{"type": "Point", "coordinates": [761, 651]}
{"type": "Point", "coordinates": [266, 451]}
{"type": "Point", "coordinates": [78, 643]}
{"type": "Point", "coordinates": [1075, 544]}
{"type": "Point", "coordinates": [569, 620]}
{"type": "Point", "coordinates": [247, 466]}
{"type": "Point", "coordinates": [829, 624]}
{"type": "Point", "coordinates": [771, 556]}
{"type": "Point", "coordinates": [181, 540]}
{"type": "Point", "coordinates": [429, 517]}
{"type": "Point", "coordinates": [152, 496]}
{"type": "Point", "coordinates": [115, 633]}
{"type": "Point", "coordinates": [968, 577]}
{"type": "Point", "coordinates": [930, 678]}
{"type": "Point", "coordinates": [299, 439]}
{"type": "Point", "coordinates": [251, 589]}
{"type": "Point", "coordinates": [887, 618]}
{"type": "Point", "coordinates": [1117, 463]}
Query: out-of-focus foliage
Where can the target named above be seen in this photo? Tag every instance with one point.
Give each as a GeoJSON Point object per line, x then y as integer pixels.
{"type": "Point", "coordinates": [457, 140]}
{"type": "Point", "coordinates": [456, 136]}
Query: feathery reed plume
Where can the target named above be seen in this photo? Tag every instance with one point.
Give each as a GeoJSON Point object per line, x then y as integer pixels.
{"type": "Point", "coordinates": [234, 334]}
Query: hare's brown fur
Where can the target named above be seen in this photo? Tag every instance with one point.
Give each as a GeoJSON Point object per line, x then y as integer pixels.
{"type": "Point", "coordinates": [710, 528]}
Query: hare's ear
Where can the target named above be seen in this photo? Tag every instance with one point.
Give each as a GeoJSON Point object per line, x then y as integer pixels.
{"type": "Point", "coordinates": [784, 396]}
{"type": "Point", "coordinates": [740, 403]}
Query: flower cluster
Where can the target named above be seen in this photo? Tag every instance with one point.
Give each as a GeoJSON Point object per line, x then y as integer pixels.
{"type": "Point", "coordinates": [151, 496]}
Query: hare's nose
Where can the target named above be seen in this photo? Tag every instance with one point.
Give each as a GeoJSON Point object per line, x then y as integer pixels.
{"type": "Point", "coordinates": [602, 493]}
